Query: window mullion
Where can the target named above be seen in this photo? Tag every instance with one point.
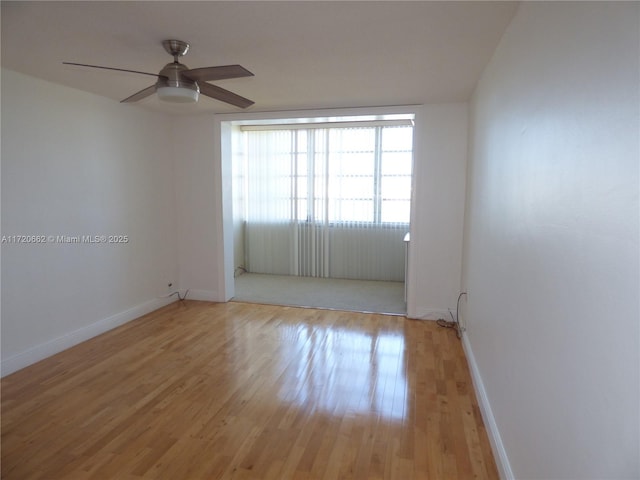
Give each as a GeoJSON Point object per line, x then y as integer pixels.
{"type": "Point", "coordinates": [294, 176]}
{"type": "Point", "coordinates": [311, 148]}
{"type": "Point", "coordinates": [377, 177]}
{"type": "Point", "coordinates": [326, 179]}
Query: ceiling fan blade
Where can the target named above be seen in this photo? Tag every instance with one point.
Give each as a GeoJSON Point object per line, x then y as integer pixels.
{"type": "Point", "coordinates": [140, 95]}
{"type": "Point", "coordinates": [206, 74]}
{"type": "Point", "coordinates": [111, 68]}
{"type": "Point", "coordinates": [224, 95]}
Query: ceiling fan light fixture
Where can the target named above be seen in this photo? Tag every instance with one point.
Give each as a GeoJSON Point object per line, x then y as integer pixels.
{"type": "Point", "coordinates": [178, 94]}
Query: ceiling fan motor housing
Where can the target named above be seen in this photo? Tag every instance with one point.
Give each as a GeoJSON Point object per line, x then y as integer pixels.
{"type": "Point", "coordinates": [171, 78]}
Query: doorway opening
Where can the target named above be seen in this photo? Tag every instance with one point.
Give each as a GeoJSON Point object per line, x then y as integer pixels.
{"type": "Point", "coordinates": [321, 209]}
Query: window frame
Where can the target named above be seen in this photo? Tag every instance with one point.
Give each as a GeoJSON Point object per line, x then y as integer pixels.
{"type": "Point", "coordinates": [310, 153]}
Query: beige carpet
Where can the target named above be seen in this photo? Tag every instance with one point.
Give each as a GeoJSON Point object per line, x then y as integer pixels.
{"type": "Point", "coordinates": [339, 294]}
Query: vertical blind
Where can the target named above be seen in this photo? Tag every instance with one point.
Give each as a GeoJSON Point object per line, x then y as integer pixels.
{"type": "Point", "coordinates": [328, 201]}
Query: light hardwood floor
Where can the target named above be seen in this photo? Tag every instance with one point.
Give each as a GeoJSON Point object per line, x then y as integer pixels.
{"type": "Point", "coordinates": [201, 390]}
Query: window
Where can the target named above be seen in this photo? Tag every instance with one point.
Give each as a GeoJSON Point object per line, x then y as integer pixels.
{"type": "Point", "coordinates": [326, 199]}
{"type": "Point", "coordinates": [335, 175]}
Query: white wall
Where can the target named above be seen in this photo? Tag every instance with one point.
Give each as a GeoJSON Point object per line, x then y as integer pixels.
{"type": "Point", "coordinates": [551, 244]}
{"type": "Point", "coordinates": [238, 196]}
{"type": "Point", "coordinates": [199, 208]}
{"type": "Point", "coordinates": [78, 164]}
{"type": "Point", "coordinates": [437, 216]}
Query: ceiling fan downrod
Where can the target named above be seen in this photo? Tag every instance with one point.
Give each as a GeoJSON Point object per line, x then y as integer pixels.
{"type": "Point", "coordinates": [175, 48]}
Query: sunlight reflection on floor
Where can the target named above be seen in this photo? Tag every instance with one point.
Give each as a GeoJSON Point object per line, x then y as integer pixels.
{"type": "Point", "coordinates": [345, 371]}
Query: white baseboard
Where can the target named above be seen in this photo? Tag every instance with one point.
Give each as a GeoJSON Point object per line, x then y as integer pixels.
{"type": "Point", "coordinates": [499, 452]}
{"type": "Point", "coordinates": [44, 350]}
{"type": "Point", "coordinates": [203, 295]}
{"type": "Point", "coordinates": [428, 314]}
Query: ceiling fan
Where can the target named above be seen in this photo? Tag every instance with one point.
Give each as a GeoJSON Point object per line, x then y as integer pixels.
{"type": "Point", "coordinates": [178, 83]}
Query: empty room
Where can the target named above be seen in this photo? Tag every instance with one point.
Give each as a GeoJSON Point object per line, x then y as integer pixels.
{"type": "Point", "coordinates": [478, 162]}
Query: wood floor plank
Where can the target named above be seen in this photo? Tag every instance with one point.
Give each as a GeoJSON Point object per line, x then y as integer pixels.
{"type": "Point", "coordinates": [200, 390]}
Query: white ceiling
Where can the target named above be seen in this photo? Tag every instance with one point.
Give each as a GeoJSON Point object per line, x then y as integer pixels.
{"type": "Point", "coordinates": [304, 54]}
